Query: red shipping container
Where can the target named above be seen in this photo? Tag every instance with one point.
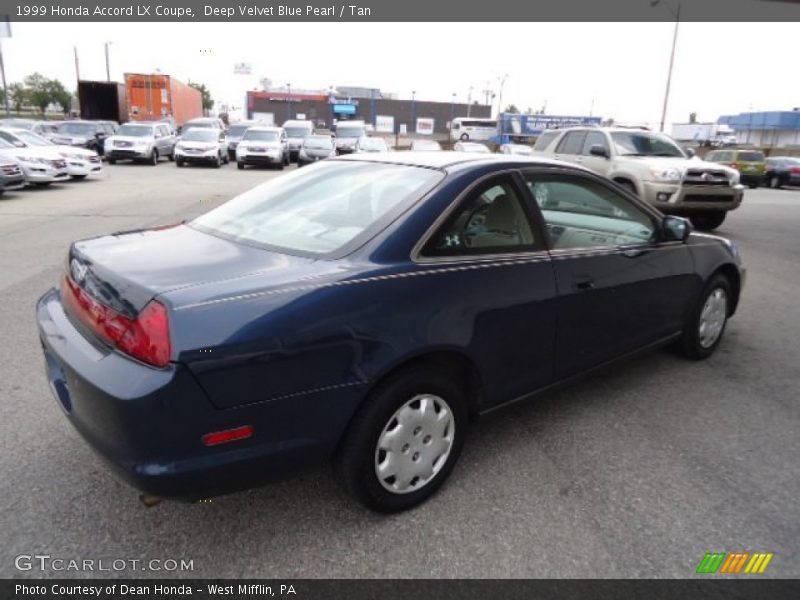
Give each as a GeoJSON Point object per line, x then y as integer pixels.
{"type": "Point", "coordinates": [154, 96]}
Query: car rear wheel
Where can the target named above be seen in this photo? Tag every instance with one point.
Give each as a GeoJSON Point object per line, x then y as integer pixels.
{"type": "Point", "coordinates": [112, 161]}
{"type": "Point", "coordinates": [706, 323]}
{"type": "Point", "coordinates": [240, 165]}
{"type": "Point", "coordinates": [404, 441]}
{"type": "Point", "coordinates": [774, 182]}
{"type": "Point", "coordinates": [171, 156]}
{"type": "Point", "coordinates": [178, 162]}
{"type": "Point", "coordinates": [708, 220]}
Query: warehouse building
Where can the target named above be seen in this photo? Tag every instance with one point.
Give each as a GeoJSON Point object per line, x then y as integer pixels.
{"type": "Point", "coordinates": [386, 114]}
{"type": "Point", "coordinates": [776, 129]}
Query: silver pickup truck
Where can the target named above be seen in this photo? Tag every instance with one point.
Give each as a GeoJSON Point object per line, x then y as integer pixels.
{"type": "Point", "coordinates": [652, 166]}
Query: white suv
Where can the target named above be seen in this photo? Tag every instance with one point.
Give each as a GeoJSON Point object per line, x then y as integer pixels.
{"type": "Point", "coordinates": [652, 166]}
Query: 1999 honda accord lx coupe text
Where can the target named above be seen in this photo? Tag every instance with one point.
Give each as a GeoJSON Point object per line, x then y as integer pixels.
{"type": "Point", "coordinates": [363, 310]}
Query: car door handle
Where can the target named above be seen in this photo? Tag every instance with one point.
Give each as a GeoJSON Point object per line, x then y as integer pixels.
{"type": "Point", "coordinates": [584, 284]}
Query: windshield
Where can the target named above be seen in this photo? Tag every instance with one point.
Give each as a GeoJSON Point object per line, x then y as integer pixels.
{"type": "Point", "coordinates": [237, 130]}
{"type": "Point", "coordinates": [77, 128]}
{"type": "Point", "coordinates": [349, 131]}
{"type": "Point", "coordinates": [318, 143]}
{"type": "Point", "coordinates": [32, 139]}
{"type": "Point", "coordinates": [135, 131]}
{"type": "Point", "coordinates": [201, 134]}
{"type": "Point", "coordinates": [318, 209]}
{"type": "Point", "coordinates": [637, 143]}
{"type": "Point", "coordinates": [260, 136]}
{"type": "Point", "coordinates": [297, 132]}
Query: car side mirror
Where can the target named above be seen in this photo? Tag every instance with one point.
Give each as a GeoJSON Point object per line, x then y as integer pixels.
{"type": "Point", "coordinates": [675, 229]}
{"type": "Point", "coordinates": [598, 150]}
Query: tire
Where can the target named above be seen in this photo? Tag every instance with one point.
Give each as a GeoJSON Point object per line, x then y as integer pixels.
{"type": "Point", "coordinates": [112, 161]}
{"type": "Point", "coordinates": [752, 186]}
{"type": "Point", "coordinates": [231, 155]}
{"type": "Point", "coordinates": [240, 166]}
{"type": "Point", "coordinates": [708, 221]}
{"type": "Point", "coordinates": [425, 448]}
{"type": "Point", "coordinates": [178, 162]}
{"type": "Point", "coordinates": [697, 343]}
{"type": "Point", "coordinates": [171, 156]}
{"type": "Point", "coordinates": [153, 160]}
{"type": "Point", "coordinates": [281, 165]}
{"type": "Point", "coordinates": [775, 182]}
{"type": "Point", "coordinates": [78, 177]}
{"type": "Point", "coordinates": [218, 162]}
{"type": "Point", "coordinates": [628, 186]}
{"type": "Point", "coordinates": [225, 159]}
{"type": "Point", "coordinates": [464, 137]}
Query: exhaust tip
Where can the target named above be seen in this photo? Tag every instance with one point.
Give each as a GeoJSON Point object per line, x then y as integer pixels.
{"type": "Point", "coordinates": [149, 501]}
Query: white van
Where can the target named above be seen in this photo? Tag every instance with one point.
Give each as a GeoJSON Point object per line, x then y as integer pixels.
{"type": "Point", "coordinates": [297, 131]}
{"type": "Point", "coordinates": [473, 129]}
{"type": "Point", "coordinates": [347, 135]}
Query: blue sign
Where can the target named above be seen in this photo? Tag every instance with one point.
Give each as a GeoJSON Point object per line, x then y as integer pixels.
{"type": "Point", "coordinates": [515, 124]}
{"type": "Point", "coordinates": [344, 109]}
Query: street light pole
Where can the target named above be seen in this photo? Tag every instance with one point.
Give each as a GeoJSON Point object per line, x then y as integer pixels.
{"type": "Point", "coordinates": [500, 96]}
{"type": "Point", "coordinates": [413, 110]}
{"type": "Point", "coordinates": [469, 101]}
{"type": "Point", "coordinates": [108, 68]}
{"type": "Point", "coordinates": [677, 14]}
{"type": "Point", "coordinates": [288, 101]}
{"type": "Point", "coordinates": [452, 107]}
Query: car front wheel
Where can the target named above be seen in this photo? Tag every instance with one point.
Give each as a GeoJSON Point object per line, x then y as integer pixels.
{"type": "Point", "coordinates": [404, 441]}
{"type": "Point", "coordinates": [154, 158]}
{"type": "Point", "coordinates": [706, 323]}
{"type": "Point", "coordinates": [708, 220]}
{"type": "Point", "coordinates": [240, 165]}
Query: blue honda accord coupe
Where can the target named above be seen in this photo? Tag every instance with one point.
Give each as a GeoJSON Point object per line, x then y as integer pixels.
{"type": "Point", "coordinates": [362, 311]}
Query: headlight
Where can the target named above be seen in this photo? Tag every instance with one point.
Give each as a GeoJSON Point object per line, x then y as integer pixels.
{"type": "Point", "coordinates": [666, 175]}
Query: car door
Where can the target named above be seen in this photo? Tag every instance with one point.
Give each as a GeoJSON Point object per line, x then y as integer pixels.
{"type": "Point", "coordinates": [496, 282]}
{"type": "Point", "coordinates": [597, 163]}
{"type": "Point", "coordinates": [570, 147]}
{"type": "Point", "coordinates": [619, 287]}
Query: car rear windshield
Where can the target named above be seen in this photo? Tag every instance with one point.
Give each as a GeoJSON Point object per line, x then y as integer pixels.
{"type": "Point", "coordinates": [318, 210]}
{"type": "Point", "coordinates": [297, 132]}
{"type": "Point", "coordinates": [349, 132]}
{"type": "Point", "coordinates": [751, 156]}
{"type": "Point", "coordinates": [260, 136]}
{"type": "Point", "coordinates": [629, 143]}
{"type": "Point", "coordinates": [135, 131]}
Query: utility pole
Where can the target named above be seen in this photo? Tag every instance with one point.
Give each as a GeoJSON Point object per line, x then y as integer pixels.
{"type": "Point", "coordinates": [413, 110]}
{"type": "Point", "coordinates": [677, 14]}
{"type": "Point", "coordinates": [500, 95]}
{"type": "Point", "coordinates": [77, 68]}
{"type": "Point", "coordinates": [5, 86]}
{"type": "Point", "coordinates": [288, 101]}
{"type": "Point", "coordinates": [108, 68]}
{"type": "Point", "coordinates": [469, 101]}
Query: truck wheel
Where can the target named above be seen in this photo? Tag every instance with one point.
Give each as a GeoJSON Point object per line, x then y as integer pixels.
{"type": "Point", "coordinates": [708, 220]}
{"type": "Point", "coordinates": [404, 440]}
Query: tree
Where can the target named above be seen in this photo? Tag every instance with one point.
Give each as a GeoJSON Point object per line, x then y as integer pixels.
{"type": "Point", "coordinates": [39, 91]}
{"type": "Point", "coordinates": [208, 101]}
{"type": "Point", "coordinates": [693, 117]}
{"type": "Point", "coordinates": [18, 95]}
{"type": "Point", "coordinates": [59, 95]}
{"type": "Point", "coordinates": [512, 108]}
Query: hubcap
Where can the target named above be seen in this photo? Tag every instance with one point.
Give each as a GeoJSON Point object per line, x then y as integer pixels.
{"type": "Point", "coordinates": [712, 317]}
{"type": "Point", "coordinates": [415, 444]}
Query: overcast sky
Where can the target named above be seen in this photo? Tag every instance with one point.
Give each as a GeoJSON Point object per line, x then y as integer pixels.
{"type": "Point", "coordinates": [614, 70]}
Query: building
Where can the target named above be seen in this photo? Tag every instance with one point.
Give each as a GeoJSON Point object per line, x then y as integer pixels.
{"type": "Point", "coordinates": [777, 129]}
{"type": "Point", "coordinates": [386, 115]}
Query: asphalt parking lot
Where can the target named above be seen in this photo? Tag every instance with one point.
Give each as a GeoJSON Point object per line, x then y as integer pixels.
{"type": "Point", "coordinates": [637, 472]}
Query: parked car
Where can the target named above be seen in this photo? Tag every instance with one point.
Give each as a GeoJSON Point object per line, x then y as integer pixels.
{"type": "Point", "coordinates": [425, 146]}
{"type": "Point", "coordinates": [296, 132]}
{"type": "Point", "coordinates": [372, 144]}
{"type": "Point", "coordinates": [316, 148]}
{"type": "Point", "coordinates": [11, 175]}
{"type": "Point", "coordinates": [38, 165]}
{"type": "Point", "coordinates": [471, 147]}
{"type": "Point", "coordinates": [42, 128]}
{"type": "Point", "coordinates": [141, 141]}
{"type": "Point", "coordinates": [235, 133]}
{"type": "Point", "coordinates": [84, 134]}
{"type": "Point", "coordinates": [263, 146]}
{"type": "Point", "coordinates": [203, 122]}
{"type": "Point", "coordinates": [518, 149]}
{"type": "Point", "coordinates": [751, 164]}
{"type": "Point", "coordinates": [347, 135]}
{"type": "Point", "coordinates": [362, 310]}
{"type": "Point", "coordinates": [201, 146]}
{"type": "Point", "coordinates": [81, 162]}
{"type": "Point", "coordinates": [782, 170]}
{"type": "Point", "coordinates": [17, 123]}
{"type": "Point", "coordinates": [652, 166]}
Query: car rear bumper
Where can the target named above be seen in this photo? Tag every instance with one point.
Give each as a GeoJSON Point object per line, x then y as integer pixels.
{"type": "Point", "coordinates": [147, 423]}
{"type": "Point", "coordinates": [206, 157]}
{"type": "Point", "coordinates": [687, 198]}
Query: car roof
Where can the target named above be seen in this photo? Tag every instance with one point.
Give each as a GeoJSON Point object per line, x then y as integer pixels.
{"type": "Point", "coordinates": [445, 159]}
{"type": "Point", "coordinates": [265, 128]}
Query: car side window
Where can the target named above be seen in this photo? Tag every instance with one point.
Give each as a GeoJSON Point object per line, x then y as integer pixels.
{"type": "Point", "coordinates": [544, 140]}
{"type": "Point", "coordinates": [572, 143]}
{"type": "Point", "coordinates": [491, 220]}
{"type": "Point", "coordinates": [580, 213]}
{"type": "Point", "coordinates": [595, 138]}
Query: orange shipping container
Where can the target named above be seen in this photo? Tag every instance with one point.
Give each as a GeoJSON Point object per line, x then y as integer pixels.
{"type": "Point", "coordinates": [153, 97]}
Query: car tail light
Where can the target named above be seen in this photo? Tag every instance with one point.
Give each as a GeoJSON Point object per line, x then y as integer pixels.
{"type": "Point", "coordinates": [735, 165]}
{"type": "Point", "coordinates": [795, 170]}
{"type": "Point", "coordinates": [228, 435]}
{"type": "Point", "coordinates": [146, 337]}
